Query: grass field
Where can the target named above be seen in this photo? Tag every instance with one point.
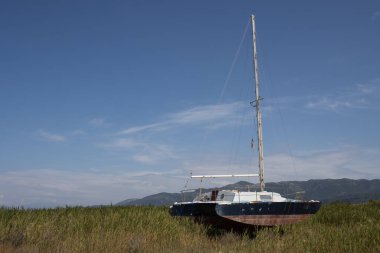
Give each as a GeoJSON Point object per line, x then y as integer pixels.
{"type": "Point", "coordinates": [335, 228]}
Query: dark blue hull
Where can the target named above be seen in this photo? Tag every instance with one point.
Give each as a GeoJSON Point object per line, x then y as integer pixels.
{"type": "Point", "coordinates": [246, 214]}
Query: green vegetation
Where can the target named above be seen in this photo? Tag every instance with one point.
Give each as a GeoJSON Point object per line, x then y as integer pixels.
{"type": "Point", "coordinates": [335, 228]}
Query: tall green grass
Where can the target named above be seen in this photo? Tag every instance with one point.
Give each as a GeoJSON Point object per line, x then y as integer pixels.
{"type": "Point", "coordinates": [335, 228]}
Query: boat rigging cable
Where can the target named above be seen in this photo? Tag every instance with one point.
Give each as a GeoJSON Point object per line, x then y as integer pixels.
{"type": "Point", "coordinates": [228, 77]}
{"type": "Point", "coordinates": [226, 82]}
{"type": "Point", "coordinates": [234, 148]}
{"type": "Point", "coordinates": [282, 128]}
{"type": "Point", "coordinates": [277, 108]}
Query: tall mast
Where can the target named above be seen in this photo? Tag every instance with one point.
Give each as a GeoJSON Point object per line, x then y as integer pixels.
{"type": "Point", "coordinates": [258, 114]}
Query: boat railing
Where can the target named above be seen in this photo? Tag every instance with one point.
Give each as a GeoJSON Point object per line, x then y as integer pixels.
{"type": "Point", "coordinates": [297, 195]}
{"type": "Point", "coordinates": [224, 176]}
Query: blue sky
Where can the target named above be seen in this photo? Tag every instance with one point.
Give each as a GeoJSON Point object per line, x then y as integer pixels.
{"type": "Point", "coordinates": [102, 101]}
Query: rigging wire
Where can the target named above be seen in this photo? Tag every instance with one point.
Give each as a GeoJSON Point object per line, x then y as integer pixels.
{"type": "Point", "coordinates": [227, 81]}
{"type": "Point", "coordinates": [230, 71]}
{"type": "Point", "coordinates": [235, 146]}
{"type": "Point", "coordinates": [278, 108]}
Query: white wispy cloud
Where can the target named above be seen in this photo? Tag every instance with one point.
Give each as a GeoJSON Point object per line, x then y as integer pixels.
{"type": "Point", "coordinates": [51, 187]}
{"type": "Point", "coordinates": [136, 129]}
{"type": "Point", "coordinates": [145, 152]}
{"type": "Point", "coordinates": [51, 137]}
{"type": "Point", "coordinates": [371, 87]}
{"type": "Point", "coordinates": [333, 104]}
{"type": "Point", "coordinates": [99, 122]}
{"type": "Point", "coordinates": [358, 96]}
{"type": "Point", "coordinates": [124, 143]}
{"type": "Point", "coordinates": [77, 132]}
{"type": "Point", "coordinates": [353, 163]}
{"type": "Point", "coordinates": [205, 115]}
{"type": "Point", "coordinates": [200, 114]}
{"type": "Point", "coordinates": [150, 152]}
{"type": "Point", "coordinates": [155, 154]}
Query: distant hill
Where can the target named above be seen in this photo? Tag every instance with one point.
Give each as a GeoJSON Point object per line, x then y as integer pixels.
{"type": "Point", "coordinates": [325, 190]}
{"type": "Point", "coordinates": [126, 202]}
{"type": "Point", "coordinates": [159, 199]}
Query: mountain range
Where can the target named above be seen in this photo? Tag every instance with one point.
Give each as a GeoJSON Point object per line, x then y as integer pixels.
{"type": "Point", "coordinates": [325, 190]}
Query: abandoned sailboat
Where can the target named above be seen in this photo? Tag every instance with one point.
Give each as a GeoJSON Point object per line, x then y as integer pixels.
{"type": "Point", "coordinates": [233, 208]}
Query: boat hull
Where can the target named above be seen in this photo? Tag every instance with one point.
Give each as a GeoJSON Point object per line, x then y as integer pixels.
{"type": "Point", "coordinates": [246, 214]}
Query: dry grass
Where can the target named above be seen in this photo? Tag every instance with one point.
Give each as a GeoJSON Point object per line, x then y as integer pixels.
{"type": "Point", "coordinates": [335, 228]}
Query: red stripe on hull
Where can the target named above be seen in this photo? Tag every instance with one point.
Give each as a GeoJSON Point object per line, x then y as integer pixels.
{"type": "Point", "coordinates": [267, 220]}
